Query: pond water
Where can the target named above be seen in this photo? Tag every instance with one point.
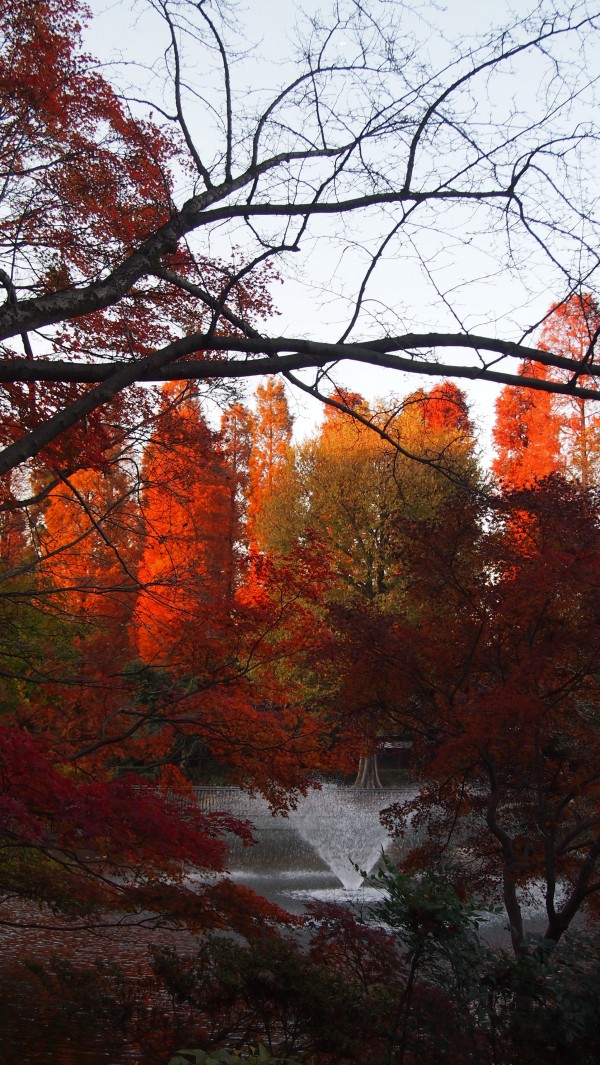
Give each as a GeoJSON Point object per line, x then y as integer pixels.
{"type": "Point", "coordinates": [310, 854]}
{"type": "Point", "coordinates": [37, 1026]}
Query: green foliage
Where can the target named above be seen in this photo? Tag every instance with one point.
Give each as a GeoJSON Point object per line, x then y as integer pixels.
{"type": "Point", "coordinates": [440, 932]}
{"type": "Point", "coordinates": [35, 639]}
{"type": "Point", "coordinates": [545, 1004]}
{"type": "Point", "coordinates": [429, 915]}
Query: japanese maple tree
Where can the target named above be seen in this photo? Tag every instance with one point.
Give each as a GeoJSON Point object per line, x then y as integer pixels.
{"type": "Point", "coordinates": [85, 182]}
{"type": "Point", "coordinates": [501, 689]}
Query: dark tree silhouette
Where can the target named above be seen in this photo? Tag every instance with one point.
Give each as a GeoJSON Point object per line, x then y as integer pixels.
{"type": "Point", "coordinates": [370, 149]}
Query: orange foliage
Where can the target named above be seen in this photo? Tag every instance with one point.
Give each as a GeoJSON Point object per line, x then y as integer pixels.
{"type": "Point", "coordinates": [537, 433]}
{"type": "Point", "coordinates": [526, 434]}
{"type": "Point", "coordinates": [445, 409]}
{"type": "Point", "coordinates": [272, 434]}
{"type": "Point", "coordinates": [186, 570]}
{"type": "Point", "coordinates": [572, 330]}
{"type": "Point", "coordinates": [90, 541]}
{"type": "Point", "coordinates": [236, 447]}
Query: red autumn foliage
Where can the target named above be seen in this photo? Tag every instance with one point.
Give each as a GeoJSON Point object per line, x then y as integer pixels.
{"type": "Point", "coordinates": [80, 847]}
{"type": "Point", "coordinates": [500, 687]}
{"type": "Point", "coordinates": [87, 178]}
{"type": "Point", "coordinates": [486, 651]}
{"type": "Point", "coordinates": [81, 177]}
{"type": "Point", "coordinates": [186, 569]}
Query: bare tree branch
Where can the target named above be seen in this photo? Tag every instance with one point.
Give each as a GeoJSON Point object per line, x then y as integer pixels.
{"type": "Point", "coordinates": [368, 148]}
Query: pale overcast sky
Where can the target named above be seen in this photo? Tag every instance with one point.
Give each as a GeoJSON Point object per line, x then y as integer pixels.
{"type": "Point", "coordinates": [126, 30]}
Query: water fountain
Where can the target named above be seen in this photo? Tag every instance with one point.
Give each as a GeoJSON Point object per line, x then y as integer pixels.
{"type": "Point", "coordinates": [314, 850]}
{"type": "Point", "coordinates": [343, 826]}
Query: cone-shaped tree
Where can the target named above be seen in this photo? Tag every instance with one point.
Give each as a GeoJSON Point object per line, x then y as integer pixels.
{"type": "Point", "coordinates": [272, 434]}
{"type": "Point", "coordinates": [186, 568]}
{"type": "Point", "coordinates": [526, 434]}
{"type": "Point", "coordinates": [536, 433]}
{"type": "Point", "coordinates": [572, 329]}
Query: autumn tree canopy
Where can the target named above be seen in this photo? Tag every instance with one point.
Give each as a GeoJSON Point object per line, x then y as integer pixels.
{"type": "Point", "coordinates": [185, 573]}
{"type": "Point", "coordinates": [572, 329]}
{"type": "Point", "coordinates": [111, 200]}
{"type": "Point", "coordinates": [501, 686]}
{"type": "Point", "coordinates": [352, 497]}
{"type": "Point", "coordinates": [169, 582]}
{"type": "Point", "coordinates": [537, 433]}
{"type": "Point", "coordinates": [269, 456]}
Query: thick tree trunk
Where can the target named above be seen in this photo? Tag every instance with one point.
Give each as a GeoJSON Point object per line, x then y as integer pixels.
{"type": "Point", "coordinates": [368, 773]}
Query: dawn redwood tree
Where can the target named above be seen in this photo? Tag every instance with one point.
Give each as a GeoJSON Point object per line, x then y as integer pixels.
{"type": "Point", "coordinates": [212, 622]}
{"type": "Point", "coordinates": [88, 543]}
{"type": "Point", "coordinates": [110, 204]}
{"type": "Point", "coordinates": [537, 433]}
{"type": "Point", "coordinates": [186, 569]}
{"type": "Point", "coordinates": [81, 837]}
{"type": "Point", "coordinates": [526, 436]}
{"type": "Point", "coordinates": [334, 494]}
{"type": "Point", "coordinates": [235, 443]}
{"type": "Point", "coordinates": [269, 458]}
{"type": "Point", "coordinates": [572, 329]}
